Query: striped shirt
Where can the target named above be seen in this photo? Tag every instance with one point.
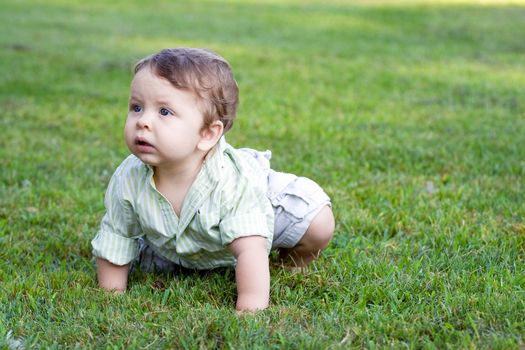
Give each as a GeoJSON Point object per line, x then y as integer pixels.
{"type": "Point", "coordinates": [226, 201]}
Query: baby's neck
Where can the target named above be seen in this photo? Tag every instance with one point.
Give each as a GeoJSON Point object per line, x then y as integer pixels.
{"type": "Point", "coordinates": [178, 175]}
{"type": "Point", "coordinates": [174, 183]}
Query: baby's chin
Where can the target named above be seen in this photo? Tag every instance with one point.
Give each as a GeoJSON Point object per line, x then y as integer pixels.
{"type": "Point", "coordinates": [147, 159]}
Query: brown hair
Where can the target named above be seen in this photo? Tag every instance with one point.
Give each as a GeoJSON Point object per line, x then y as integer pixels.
{"type": "Point", "coordinates": [202, 72]}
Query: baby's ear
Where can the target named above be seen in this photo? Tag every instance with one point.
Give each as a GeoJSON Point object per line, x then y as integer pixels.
{"type": "Point", "coordinates": [210, 135]}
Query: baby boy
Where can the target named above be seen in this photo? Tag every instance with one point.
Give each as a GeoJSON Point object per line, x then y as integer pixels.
{"type": "Point", "coordinates": [185, 197]}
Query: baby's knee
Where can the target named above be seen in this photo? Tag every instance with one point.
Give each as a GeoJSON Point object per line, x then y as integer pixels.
{"type": "Point", "coordinates": [321, 229]}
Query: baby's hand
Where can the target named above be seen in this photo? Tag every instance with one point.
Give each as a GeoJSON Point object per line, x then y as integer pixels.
{"type": "Point", "coordinates": [245, 312]}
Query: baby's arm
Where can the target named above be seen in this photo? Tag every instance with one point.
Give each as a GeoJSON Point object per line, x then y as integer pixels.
{"type": "Point", "coordinates": [112, 277]}
{"type": "Point", "coordinates": [251, 273]}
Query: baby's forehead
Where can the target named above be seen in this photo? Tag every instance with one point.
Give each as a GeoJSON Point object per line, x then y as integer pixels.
{"type": "Point", "coordinates": [146, 78]}
{"type": "Point", "coordinates": [149, 86]}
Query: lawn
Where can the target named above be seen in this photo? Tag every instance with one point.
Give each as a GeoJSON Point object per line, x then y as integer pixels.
{"type": "Point", "coordinates": [411, 114]}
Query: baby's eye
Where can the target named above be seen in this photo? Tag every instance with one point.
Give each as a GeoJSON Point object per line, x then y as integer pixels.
{"type": "Point", "coordinates": [136, 108]}
{"type": "Point", "coordinates": [164, 112]}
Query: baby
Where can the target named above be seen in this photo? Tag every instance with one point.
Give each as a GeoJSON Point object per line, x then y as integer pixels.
{"type": "Point", "coordinates": [185, 197]}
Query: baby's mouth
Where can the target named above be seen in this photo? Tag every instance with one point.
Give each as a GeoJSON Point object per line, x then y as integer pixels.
{"type": "Point", "coordinates": [142, 142]}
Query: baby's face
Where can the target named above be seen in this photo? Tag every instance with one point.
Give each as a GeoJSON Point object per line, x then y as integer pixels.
{"type": "Point", "coordinates": [164, 124]}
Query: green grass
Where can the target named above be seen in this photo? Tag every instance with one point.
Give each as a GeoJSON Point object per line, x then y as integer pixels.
{"type": "Point", "coordinates": [410, 114]}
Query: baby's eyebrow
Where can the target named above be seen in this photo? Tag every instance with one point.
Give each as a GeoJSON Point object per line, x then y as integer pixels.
{"type": "Point", "coordinates": [164, 102]}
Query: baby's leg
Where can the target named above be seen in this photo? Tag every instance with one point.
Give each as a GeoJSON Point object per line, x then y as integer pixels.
{"type": "Point", "coordinates": [304, 223]}
{"type": "Point", "coordinates": [315, 239]}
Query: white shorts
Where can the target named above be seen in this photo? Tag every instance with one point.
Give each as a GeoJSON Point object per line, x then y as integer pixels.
{"type": "Point", "coordinates": [295, 200]}
{"type": "Point", "coordinates": [295, 206]}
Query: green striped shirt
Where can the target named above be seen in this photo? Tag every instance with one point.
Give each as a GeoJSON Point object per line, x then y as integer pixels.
{"type": "Point", "coordinates": [226, 201]}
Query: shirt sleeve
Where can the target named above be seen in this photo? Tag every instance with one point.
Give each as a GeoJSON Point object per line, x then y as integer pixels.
{"type": "Point", "coordinates": [248, 213]}
{"type": "Point", "coordinates": [116, 240]}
